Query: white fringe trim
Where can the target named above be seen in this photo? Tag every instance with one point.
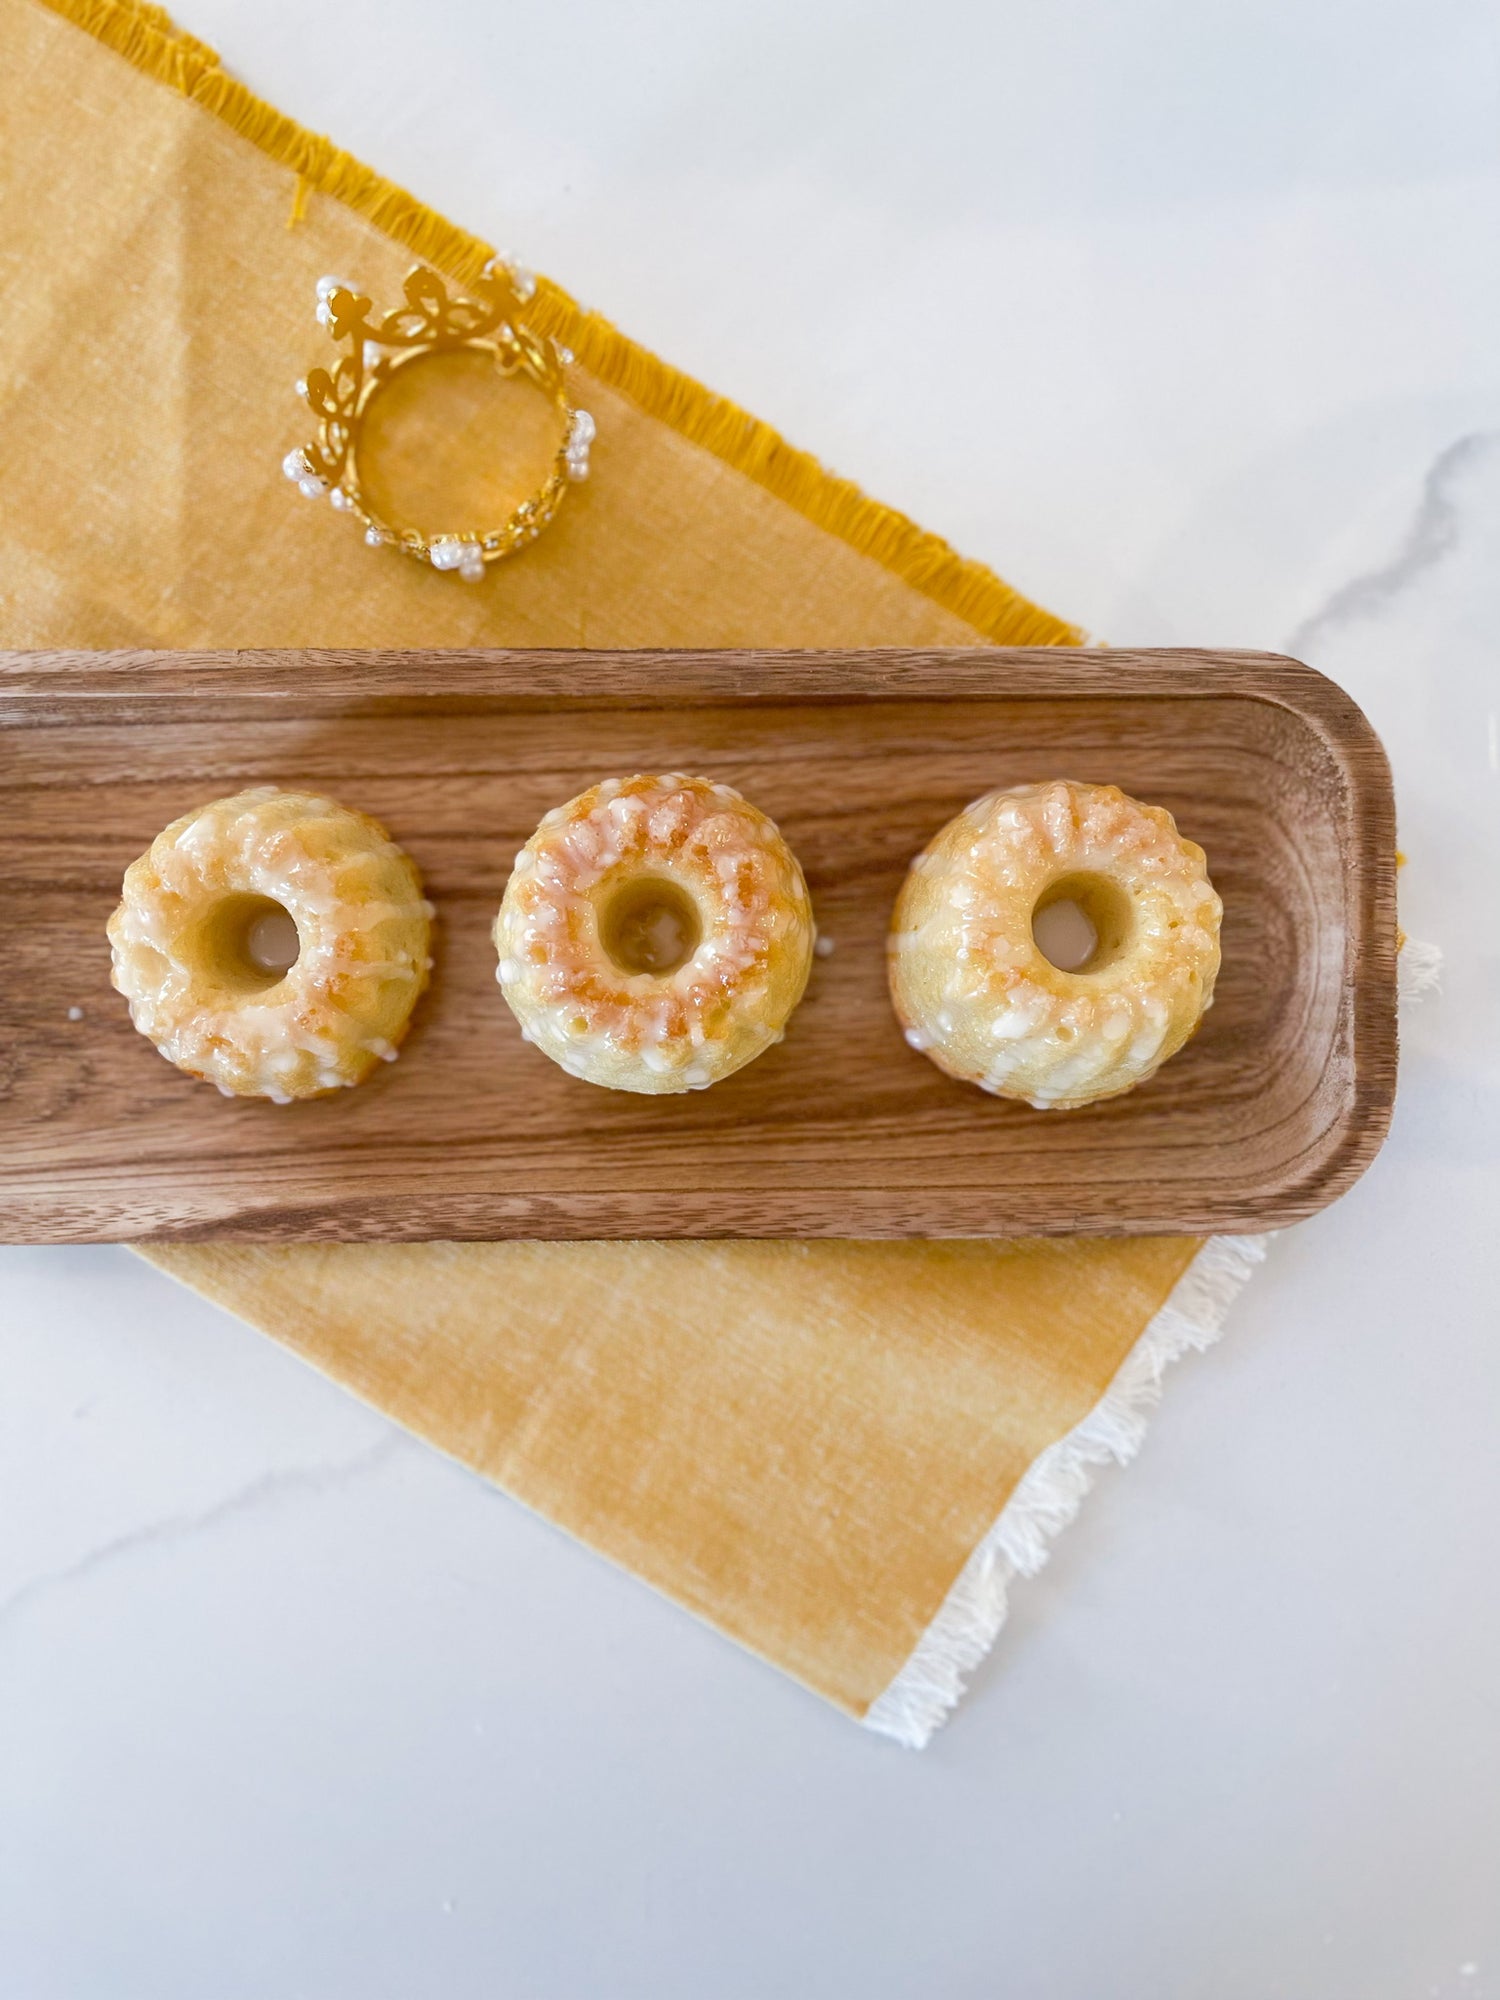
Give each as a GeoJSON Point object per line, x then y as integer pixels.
{"type": "Point", "coordinates": [920, 1698]}
{"type": "Point", "coordinates": [1419, 970]}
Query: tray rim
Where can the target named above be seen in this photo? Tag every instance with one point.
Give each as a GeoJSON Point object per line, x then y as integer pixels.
{"type": "Point", "coordinates": [623, 679]}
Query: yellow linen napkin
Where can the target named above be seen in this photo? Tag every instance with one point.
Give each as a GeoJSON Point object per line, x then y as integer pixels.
{"type": "Point", "coordinates": [838, 1453]}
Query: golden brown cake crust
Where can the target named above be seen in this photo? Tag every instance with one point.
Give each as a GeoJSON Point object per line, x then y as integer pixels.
{"type": "Point", "coordinates": [722, 877]}
{"type": "Point", "coordinates": [975, 993]}
{"type": "Point", "coordinates": [179, 944]}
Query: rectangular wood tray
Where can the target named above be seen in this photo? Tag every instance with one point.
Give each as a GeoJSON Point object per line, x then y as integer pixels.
{"type": "Point", "coordinates": [1273, 1109]}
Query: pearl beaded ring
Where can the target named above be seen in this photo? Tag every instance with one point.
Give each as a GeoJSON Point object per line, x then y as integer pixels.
{"type": "Point", "coordinates": [433, 322]}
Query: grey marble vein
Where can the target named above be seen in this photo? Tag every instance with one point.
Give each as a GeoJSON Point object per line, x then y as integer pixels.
{"type": "Point", "coordinates": [266, 1489]}
{"type": "Point", "coordinates": [1432, 533]}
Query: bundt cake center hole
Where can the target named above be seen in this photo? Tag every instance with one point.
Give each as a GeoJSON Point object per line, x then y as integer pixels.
{"type": "Point", "coordinates": [272, 941]}
{"type": "Point", "coordinates": [1082, 923]}
{"type": "Point", "coordinates": [649, 925]}
{"type": "Point", "coordinates": [246, 944]}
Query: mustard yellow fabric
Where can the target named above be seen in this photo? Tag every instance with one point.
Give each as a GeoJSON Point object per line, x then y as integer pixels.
{"type": "Point", "coordinates": [802, 1443]}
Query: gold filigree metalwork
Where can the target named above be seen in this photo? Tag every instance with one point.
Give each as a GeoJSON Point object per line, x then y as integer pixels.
{"type": "Point", "coordinates": [490, 320]}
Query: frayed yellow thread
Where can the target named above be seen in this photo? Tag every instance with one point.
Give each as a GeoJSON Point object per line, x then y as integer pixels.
{"type": "Point", "coordinates": [145, 35]}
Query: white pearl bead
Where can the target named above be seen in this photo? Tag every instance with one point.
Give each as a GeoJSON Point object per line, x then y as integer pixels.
{"type": "Point", "coordinates": [295, 464]}
{"type": "Point", "coordinates": [328, 286]}
{"type": "Point", "coordinates": [312, 488]}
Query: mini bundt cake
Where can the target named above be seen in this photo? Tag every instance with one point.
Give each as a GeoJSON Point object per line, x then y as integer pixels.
{"type": "Point", "coordinates": [655, 935]}
{"type": "Point", "coordinates": [975, 992]}
{"type": "Point", "coordinates": [205, 952]}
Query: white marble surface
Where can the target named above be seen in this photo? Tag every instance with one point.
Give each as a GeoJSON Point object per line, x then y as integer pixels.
{"type": "Point", "coordinates": [290, 1706]}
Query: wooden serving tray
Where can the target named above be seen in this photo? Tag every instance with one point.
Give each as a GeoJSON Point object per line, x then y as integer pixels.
{"type": "Point", "coordinates": [1273, 1109]}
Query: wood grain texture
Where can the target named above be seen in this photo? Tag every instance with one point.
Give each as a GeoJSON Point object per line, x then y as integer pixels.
{"type": "Point", "coordinates": [1274, 1108]}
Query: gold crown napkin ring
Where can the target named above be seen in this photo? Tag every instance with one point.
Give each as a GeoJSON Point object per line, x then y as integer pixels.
{"type": "Point", "coordinates": [433, 321]}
